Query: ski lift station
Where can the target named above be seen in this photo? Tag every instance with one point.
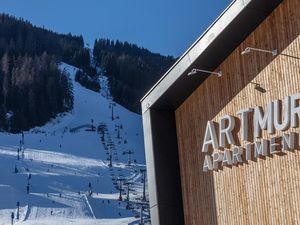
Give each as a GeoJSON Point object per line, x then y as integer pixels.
{"type": "Point", "coordinates": [221, 127]}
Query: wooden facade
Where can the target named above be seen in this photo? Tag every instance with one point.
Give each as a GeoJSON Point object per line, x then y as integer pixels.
{"type": "Point", "coordinates": [265, 191]}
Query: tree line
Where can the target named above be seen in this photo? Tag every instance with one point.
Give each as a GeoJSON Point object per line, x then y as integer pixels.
{"type": "Point", "coordinates": [19, 37]}
{"type": "Point", "coordinates": [32, 87]}
{"type": "Point", "coordinates": [32, 90]}
{"type": "Point", "coordinates": [131, 70]}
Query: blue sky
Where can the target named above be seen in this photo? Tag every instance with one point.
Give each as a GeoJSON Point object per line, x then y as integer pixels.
{"type": "Point", "coordinates": [165, 26]}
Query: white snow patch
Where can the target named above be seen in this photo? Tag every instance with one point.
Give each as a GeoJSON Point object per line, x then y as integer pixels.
{"type": "Point", "coordinates": [57, 165]}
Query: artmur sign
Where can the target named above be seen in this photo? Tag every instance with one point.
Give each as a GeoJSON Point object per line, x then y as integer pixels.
{"type": "Point", "coordinates": [274, 118]}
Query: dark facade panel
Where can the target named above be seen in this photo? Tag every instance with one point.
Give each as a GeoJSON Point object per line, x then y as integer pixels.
{"type": "Point", "coordinates": [163, 167]}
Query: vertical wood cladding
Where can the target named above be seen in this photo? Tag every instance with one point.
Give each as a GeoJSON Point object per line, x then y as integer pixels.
{"type": "Point", "coordinates": [265, 191]}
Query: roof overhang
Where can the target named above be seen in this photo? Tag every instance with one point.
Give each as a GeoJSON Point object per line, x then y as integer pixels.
{"type": "Point", "coordinates": [238, 20]}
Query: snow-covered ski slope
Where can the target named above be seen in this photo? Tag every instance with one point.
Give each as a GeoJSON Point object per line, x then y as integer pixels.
{"type": "Point", "coordinates": [63, 161]}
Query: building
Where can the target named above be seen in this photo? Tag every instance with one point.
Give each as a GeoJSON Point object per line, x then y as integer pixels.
{"type": "Point", "coordinates": [225, 150]}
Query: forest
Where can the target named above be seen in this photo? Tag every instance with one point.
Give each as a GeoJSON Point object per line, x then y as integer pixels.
{"type": "Point", "coordinates": [131, 70]}
{"type": "Point", "coordinates": [33, 89]}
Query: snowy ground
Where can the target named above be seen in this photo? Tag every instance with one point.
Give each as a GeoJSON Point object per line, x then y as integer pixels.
{"type": "Point", "coordinates": [59, 160]}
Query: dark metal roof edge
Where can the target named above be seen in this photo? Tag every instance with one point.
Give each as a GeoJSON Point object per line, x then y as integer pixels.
{"type": "Point", "coordinates": [188, 50]}
{"type": "Point", "coordinates": [208, 52]}
{"type": "Point", "coordinates": [203, 43]}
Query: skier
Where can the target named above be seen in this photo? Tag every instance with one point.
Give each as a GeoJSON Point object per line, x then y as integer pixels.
{"type": "Point", "coordinates": [18, 211]}
{"type": "Point", "coordinates": [22, 138]}
{"type": "Point", "coordinates": [12, 218]}
{"type": "Point", "coordinates": [90, 187]}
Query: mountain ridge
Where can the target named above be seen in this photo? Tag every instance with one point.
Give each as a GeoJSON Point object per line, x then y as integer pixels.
{"type": "Point", "coordinates": [131, 70]}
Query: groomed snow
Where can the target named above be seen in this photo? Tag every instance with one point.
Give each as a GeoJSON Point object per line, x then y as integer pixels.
{"type": "Point", "coordinates": [62, 163]}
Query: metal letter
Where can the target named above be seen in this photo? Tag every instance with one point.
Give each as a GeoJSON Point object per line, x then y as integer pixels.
{"type": "Point", "coordinates": [244, 116]}
{"type": "Point", "coordinates": [237, 155]}
{"type": "Point", "coordinates": [261, 149]}
{"type": "Point", "coordinates": [210, 137]}
{"type": "Point", "coordinates": [226, 132]}
{"type": "Point", "coordinates": [295, 110]}
{"type": "Point", "coordinates": [274, 145]}
{"type": "Point", "coordinates": [227, 158]}
{"type": "Point", "coordinates": [263, 121]}
{"type": "Point", "coordinates": [288, 141]}
{"type": "Point", "coordinates": [278, 114]}
{"type": "Point", "coordinates": [248, 151]}
{"type": "Point", "coordinates": [217, 157]}
{"type": "Point", "coordinates": [207, 163]}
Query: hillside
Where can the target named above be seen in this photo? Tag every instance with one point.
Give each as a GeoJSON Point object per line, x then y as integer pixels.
{"type": "Point", "coordinates": [131, 70]}
{"type": "Point", "coordinates": [71, 146]}
{"type": "Point", "coordinates": [62, 161]}
{"type": "Point", "coordinates": [32, 89]}
{"type": "Point", "coordinates": [20, 38]}
{"type": "Point", "coordinates": [28, 58]}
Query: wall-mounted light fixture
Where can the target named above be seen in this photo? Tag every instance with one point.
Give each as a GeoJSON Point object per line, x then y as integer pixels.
{"type": "Point", "coordinates": [258, 87]}
{"type": "Point", "coordinates": [196, 71]}
{"type": "Point", "coordinates": [247, 50]}
{"type": "Point", "coordinates": [274, 52]}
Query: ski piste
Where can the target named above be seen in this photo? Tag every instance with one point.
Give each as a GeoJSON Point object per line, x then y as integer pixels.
{"type": "Point", "coordinates": [73, 169]}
